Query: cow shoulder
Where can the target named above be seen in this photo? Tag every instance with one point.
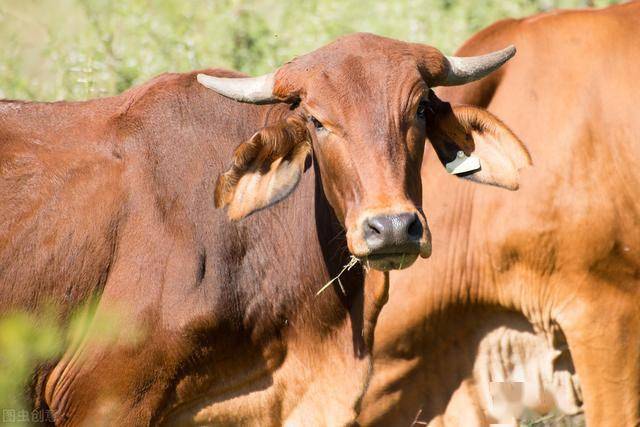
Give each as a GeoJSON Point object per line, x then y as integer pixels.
{"type": "Point", "coordinates": [57, 167]}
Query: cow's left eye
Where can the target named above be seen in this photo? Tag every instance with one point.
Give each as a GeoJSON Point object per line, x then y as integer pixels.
{"type": "Point", "coordinates": [316, 123]}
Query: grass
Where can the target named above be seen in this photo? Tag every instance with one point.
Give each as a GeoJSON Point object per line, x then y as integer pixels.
{"type": "Point", "coordinates": [553, 420]}
{"type": "Point", "coordinates": [352, 262]}
{"type": "Point", "coordinates": [79, 49]}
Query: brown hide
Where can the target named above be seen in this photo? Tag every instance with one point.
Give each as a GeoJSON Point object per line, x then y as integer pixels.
{"type": "Point", "coordinates": [113, 200]}
{"type": "Point", "coordinates": [555, 265]}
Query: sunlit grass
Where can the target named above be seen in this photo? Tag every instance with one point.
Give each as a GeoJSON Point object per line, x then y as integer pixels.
{"type": "Point", "coordinates": [78, 49]}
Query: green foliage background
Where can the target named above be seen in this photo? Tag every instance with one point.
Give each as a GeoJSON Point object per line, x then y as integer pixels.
{"type": "Point", "coordinates": [78, 49]}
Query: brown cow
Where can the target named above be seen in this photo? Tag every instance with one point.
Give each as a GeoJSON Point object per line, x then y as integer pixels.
{"type": "Point", "coordinates": [111, 202]}
{"type": "Point", "coordinates": [531, 300]}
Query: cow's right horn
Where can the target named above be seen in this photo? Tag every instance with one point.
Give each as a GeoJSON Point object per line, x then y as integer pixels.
{"type": "Point", "coordinates": [254, 90]}
{"type": "Point", "coordinates": [461, 70]}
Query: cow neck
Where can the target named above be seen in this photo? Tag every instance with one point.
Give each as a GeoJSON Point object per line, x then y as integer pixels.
{"type": "Point", "coordinates": [347, 299]}
{"type": "Point", "coordinates": [278, 339]}
{"type": "Point", "coordinates": [317, 248]}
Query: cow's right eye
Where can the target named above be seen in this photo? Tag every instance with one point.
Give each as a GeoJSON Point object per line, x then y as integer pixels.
{"type": "Point", "coordinates": [422, 110]}
{"type": "Point", "coordinates": [316, 123]}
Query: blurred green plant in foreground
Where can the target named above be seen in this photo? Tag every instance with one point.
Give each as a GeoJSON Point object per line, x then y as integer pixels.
{"type": "Point", "coordinates": [24, 343]}
{"type": "Point", "coordinates": [28, 341]}
{"type": "Point", "coordinates": [79, 49]}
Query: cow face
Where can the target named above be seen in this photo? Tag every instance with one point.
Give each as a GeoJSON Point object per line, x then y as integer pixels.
{"type": "Point", "coordinates": [364, 109]}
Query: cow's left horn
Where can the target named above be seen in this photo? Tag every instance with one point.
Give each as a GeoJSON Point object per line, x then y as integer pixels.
{"type": "Point", "coordinates": [461, 70]}
{"type": "Point", "coordinates": [255, 90]}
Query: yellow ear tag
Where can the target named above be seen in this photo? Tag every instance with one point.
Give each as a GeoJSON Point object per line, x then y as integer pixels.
{"type": "Point", "coordinates": [463, 164]}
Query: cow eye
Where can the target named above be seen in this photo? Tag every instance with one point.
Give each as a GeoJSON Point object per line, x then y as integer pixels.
{"type": "Point", "coordinates": [421, 113]}
{"type": "Point", "coordinates": [316, 123]}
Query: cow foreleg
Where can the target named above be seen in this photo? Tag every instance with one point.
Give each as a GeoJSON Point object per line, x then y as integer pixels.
{"type": "Point", "coordinates": [602, 326]}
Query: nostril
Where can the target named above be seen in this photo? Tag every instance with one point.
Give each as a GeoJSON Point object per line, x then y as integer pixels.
{"type": "Point", "coordinates": [375, 233]}
{"type": "Point", "coordinates": [415, 228]}
{"type": "Point", "coordinates": [374, 229]}
{"type": "Point", "coordinates": [375, 226]}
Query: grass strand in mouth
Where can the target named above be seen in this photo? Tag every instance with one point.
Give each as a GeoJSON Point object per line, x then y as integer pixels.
{"type": "Point", "coordinates": [353, 261]}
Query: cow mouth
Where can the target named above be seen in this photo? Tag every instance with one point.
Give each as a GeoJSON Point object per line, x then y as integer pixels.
{"type": "Point", "coordinates": [391, 261]}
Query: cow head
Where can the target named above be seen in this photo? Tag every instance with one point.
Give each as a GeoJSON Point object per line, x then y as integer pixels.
{"type": "Point", "coordinates": [363, 107]}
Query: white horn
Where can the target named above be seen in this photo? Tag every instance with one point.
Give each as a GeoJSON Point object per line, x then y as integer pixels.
{"type": "Point", "coordinates": [255, 90]}
{"type": "Point", "coordinates": [461, 70]}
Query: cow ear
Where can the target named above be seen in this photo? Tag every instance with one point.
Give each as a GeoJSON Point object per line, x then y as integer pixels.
{"type": "Point", "coordinates": [474, 144]}
{"type": "Point", "coordinates": [265, 169]}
